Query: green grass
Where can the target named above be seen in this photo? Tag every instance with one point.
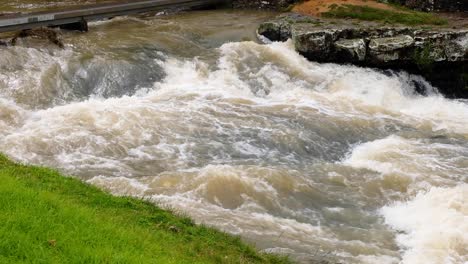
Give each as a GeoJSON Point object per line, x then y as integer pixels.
{"type": "Point", "coordinates": [402, 16]}
{"type": "Point", "coordinates": [48, 218]}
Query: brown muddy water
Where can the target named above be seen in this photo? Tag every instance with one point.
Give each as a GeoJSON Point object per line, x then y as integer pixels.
{"type": "Point", "coordinates": [316, 161]}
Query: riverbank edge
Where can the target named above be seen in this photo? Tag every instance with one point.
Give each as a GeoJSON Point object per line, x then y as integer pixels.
{"type": "Point", "coordinates": [48, 217]}
{"type": "Point", "coordinates": [437, 52]}
{"type": "Point", "coordinates": [439, 55]}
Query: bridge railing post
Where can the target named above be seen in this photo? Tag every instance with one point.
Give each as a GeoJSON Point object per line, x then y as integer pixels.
{"type": "Point", "coordinates": [81, 25]}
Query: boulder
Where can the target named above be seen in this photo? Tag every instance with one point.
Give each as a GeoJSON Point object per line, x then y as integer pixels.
{"type": "Point", "coordinates": [315, 43]}
{"type": "Point", "coordinates": [390, 48]}
{"type": "Point", "coordinates": [352, 50]}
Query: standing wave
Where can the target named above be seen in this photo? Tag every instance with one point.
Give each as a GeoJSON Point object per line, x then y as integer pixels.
{"type": "Point", "coordinates": [313, 160]}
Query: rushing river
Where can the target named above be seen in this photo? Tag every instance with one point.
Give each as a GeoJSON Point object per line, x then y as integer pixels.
{"type": "Point", "coordinates": [317, 161]}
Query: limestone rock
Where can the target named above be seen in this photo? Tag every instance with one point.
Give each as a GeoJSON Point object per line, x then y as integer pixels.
{"type": "Point", "coordinates": [316, 43]}
{"type": "Point", "coordinates": [391, 44]}
{"type": "Point", "coordinates": [390, 49]}
{"type": "Point", "coordinates": [351, 49]}
{"type": "Point", "coordinates": [439, 55]}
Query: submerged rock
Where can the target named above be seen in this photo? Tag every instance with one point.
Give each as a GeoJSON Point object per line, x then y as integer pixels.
{"type": "Point", "coordinates": [46, 34]}
{"type": "Point", "coordinates": [441, 56]}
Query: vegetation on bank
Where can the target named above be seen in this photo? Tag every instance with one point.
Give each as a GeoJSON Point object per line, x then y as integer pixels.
{"type": "Point", "coordinates": [49, 218]}
{"type": "Point", "coordinates": [402, 16]}
{"type": "Point", "coordinates": [422, 57]}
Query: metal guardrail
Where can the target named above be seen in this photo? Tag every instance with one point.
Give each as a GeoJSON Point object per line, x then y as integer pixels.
{"type": "Point", "coordinates": [95, 12]}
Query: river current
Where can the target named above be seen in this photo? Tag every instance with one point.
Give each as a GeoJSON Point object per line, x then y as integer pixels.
{"type": "Point", "coordinates": [316, 161]}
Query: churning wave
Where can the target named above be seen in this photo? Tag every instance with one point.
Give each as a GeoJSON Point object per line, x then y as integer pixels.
{"type": "Point", "coordinates": [313, 160]}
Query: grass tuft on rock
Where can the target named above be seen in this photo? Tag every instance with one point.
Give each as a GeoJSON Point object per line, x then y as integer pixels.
{"type": "Point", "coordinates": [401, 16]}
{"type": "Point", "coordinates": [49, 218]}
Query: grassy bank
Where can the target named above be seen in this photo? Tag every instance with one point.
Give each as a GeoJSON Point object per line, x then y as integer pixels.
{"type": "Point", "coordinates": [403, 16]}
{"type": "Point", "coordinates": [49, 218]}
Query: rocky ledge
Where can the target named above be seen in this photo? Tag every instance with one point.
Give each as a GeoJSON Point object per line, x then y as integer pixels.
{"type": "Point", "coordinates": [439, 55]}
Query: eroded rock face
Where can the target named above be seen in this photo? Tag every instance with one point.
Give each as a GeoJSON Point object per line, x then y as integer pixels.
{"type": "Point", "coordinates": [439, 55]}
{"type": "Point", "coordinates": [390, 48]}
{"type": "Point", "coordinates": [353, 50]}
{"type": "Point", "coordinates": [316, 43]}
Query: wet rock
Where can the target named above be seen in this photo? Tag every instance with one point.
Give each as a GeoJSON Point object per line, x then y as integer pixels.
{"type": "Point", "coordinates": [352, 50]}
{"type": "Point", "coordinates": [442, 46]}
{"type": "Point", "coordinates": [441, 56]}
{"type": "Point", "coordinates": [47, 34]}
{"type": "Point", "coordinates": [271, 30]}
{"type": "Point", "coordinates": [280, 28]}
{"type": "Point", "coordinates": [391, 44]}
{"type": "Point", "coordinates": [390, 49]}
{"type": "Point", "coordinates": [315, 43]}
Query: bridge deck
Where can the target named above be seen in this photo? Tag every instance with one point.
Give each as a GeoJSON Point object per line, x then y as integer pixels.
{"type": "Point", "coordinates": [95, 12]}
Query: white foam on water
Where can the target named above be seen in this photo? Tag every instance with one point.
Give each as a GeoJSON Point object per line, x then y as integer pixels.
{"type": "Point", "coordinates": [120, 185]}
{"type": "Point", "coordinates": [286, 77]}
{"type": "Point", "coordinates": [416, 159]}
{"type": "Point", "coordinates": [281, 76]}
{"type": "Point", "coordinates": [380, 259]}
{"type": "Point", "coordinates": [109, 139]}
{"type": "Point", "coordinates": [11, 116]}
{"type": "Point", "coordinates": [240, 200]}
{"type": "Point", "coordinates": [434, 226]}
{"type": "Point", "coordinates": [434, 221]}
{"type": "Point", "coordinates": [237, 200]}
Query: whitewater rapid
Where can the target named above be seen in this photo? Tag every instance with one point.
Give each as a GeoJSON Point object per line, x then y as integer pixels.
{"type": "Point", "coordinates": [317, 161]}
